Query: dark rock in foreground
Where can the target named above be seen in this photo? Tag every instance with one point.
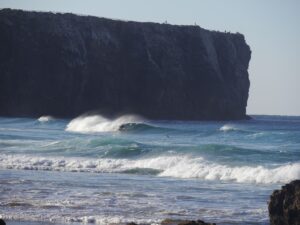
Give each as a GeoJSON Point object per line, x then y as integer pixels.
{"type": "Point", "coordinates": [65, 65]}
{"type": "Point", "coordinates": [2, 222]}
{"type": "Point", "coordinates": [180, 222]}
{"type": "Point", "coordinates": [184, 222]}
{"type": "Point", "coordinates": [284, 207]}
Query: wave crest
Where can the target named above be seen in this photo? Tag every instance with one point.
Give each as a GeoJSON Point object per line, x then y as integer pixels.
{"type": "Point", "coordinates": [44, 119]}
{"type": "Point", "coordinates": [227, 127]}
{"type": "Point", "coordinates": [98, 123]}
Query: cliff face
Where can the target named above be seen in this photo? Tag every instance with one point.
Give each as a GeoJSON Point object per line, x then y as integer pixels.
{"type": "Point", "coordinates": [64, 65]}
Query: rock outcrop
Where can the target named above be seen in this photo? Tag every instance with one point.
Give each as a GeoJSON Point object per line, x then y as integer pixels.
{"type": "Point", "coordinates": [184, 222]}
{"type": "Point", "coordinates": [284, 206]}
{"type": "Point", "coordinates": [178, 222]}
{"type": "Point", "coordinates": [65, 65]}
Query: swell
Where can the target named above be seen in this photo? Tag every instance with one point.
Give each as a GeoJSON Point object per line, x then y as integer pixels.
{"type": "Point", "coordinates": [122, 147]}
{"type": "Point", "coordinates": [184, 167]}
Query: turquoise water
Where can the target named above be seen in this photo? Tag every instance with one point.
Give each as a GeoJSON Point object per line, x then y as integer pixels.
{"type": "Point", "coordinates": [100, 171]}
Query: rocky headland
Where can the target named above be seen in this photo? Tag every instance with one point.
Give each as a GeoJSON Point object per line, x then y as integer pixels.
{"type": "Point", "coordinates": [65, 65]}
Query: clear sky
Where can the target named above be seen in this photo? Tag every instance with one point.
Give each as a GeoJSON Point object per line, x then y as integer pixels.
{"type": "Point", "coordinates": [271, 28]}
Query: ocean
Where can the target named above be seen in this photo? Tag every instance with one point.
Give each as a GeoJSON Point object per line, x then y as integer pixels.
{"type": "Point", "coordinates": [93, 170]}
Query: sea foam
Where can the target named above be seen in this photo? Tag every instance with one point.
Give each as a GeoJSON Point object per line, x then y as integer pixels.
{"type": "Point", "coordinates": [77, 219]}
{"type": "Point", "coordinates": [98, 123]}
{"type": "Point", "coordinates": [167, 166]}
{"type": "Point", "coordinates": [44, 119]}
{"type": "Point", "coordinates": [227, 127]}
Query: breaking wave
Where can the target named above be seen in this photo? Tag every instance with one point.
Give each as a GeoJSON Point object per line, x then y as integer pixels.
{"type": "Point", "coordinates": [227, 127]}
{"type": "Point", "coordinates": [98, 123]}
{"type": "Point", "coordinates": [44, 119]}
{"type": "Point", "coordinates": [165, 166]}
{"type": "Point", "coordinates": [234, 128]}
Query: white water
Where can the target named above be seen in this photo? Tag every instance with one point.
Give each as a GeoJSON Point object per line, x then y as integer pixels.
{"type": "Point", "coordinates": [44, 119]}
{"type": "Point", "coordinates": [169, 166]}
{"type": "Point", "coordinates": [227, 127]}
{"type": "Point", "coordinates": [98, 123]}
{"type": "Point", "coordinates": [99, 220]}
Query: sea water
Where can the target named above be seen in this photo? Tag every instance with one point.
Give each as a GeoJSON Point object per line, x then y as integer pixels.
{"type": "Point", "coordinates": [94, 170]}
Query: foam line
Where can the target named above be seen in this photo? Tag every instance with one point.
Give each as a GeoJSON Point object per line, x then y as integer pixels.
{"type": "Point", "coordinates": [170, 166]}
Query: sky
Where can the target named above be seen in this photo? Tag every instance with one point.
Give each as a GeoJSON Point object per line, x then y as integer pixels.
{"type": "Point", "coordinates": [271, 29]}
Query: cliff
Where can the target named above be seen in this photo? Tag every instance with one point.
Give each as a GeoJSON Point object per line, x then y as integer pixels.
{"type": "Point", "coordinates": [65, 65]}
